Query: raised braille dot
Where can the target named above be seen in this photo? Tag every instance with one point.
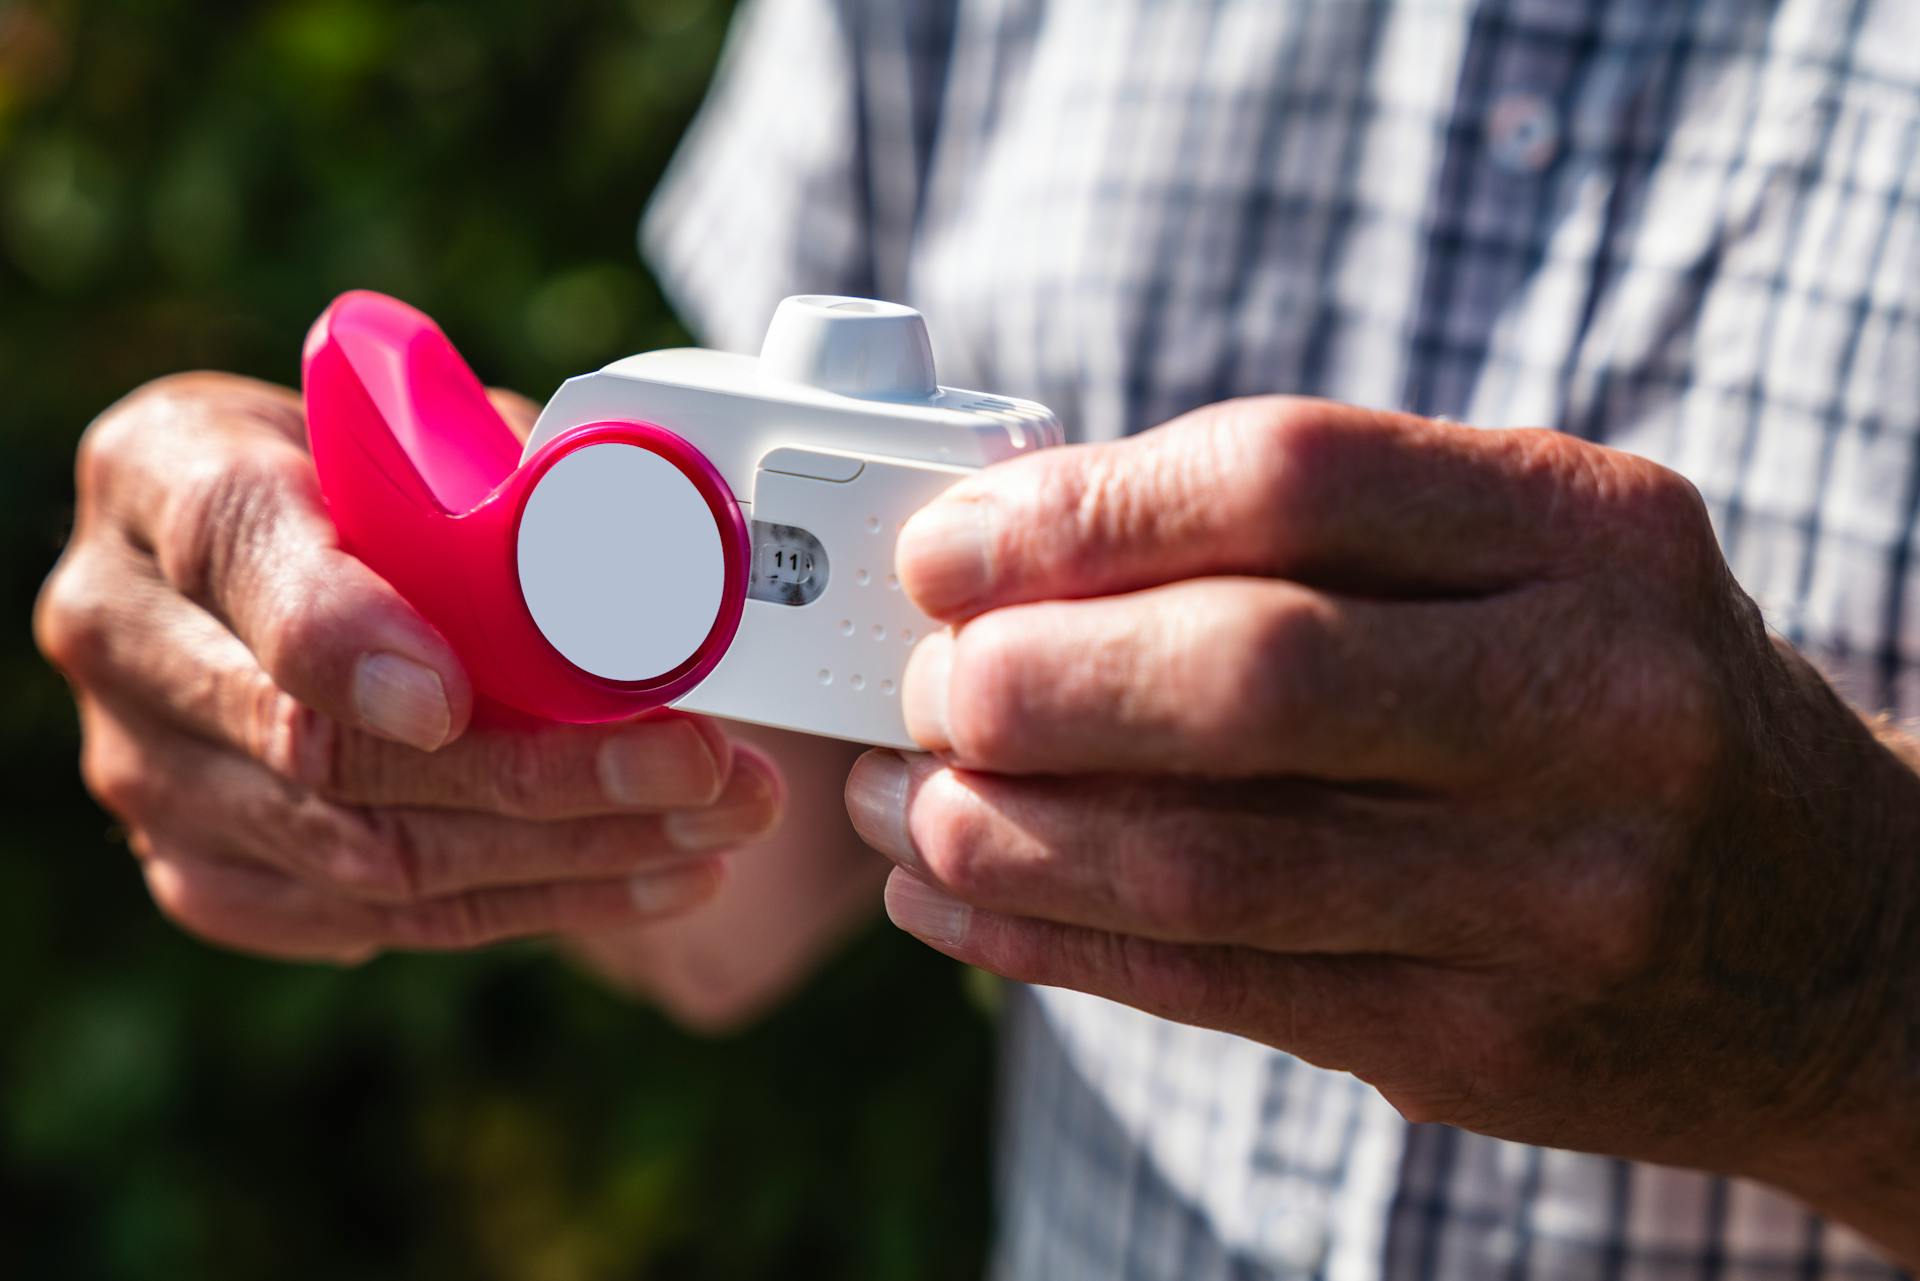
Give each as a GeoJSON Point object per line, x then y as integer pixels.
{"type": "Point", "coordinates": [873, 524]}
{"type": "Point", "coordinates": [886, 687]}
{"type": "Point", "coordinates": [858, 682]}
{"type": "Point", "coordinates": [846, 627]}
{"type": "Point", "coordinates": [825, 677]}
{"type": "Point", "coordinates": [879, 632]}
{"type": "Point", "coordinates": [863, 578]}
{"type": "Point", "coordinates": [893, 582]}
{"type": "Point", "coordinates": [906, 634]}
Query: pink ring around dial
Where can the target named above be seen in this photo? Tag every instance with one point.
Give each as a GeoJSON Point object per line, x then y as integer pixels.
{"type": "Point", "coordinates": [729, 523]}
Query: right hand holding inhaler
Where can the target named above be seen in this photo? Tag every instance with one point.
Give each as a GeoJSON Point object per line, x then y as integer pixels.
{"type": "Point", "coordinates": [288, 742]}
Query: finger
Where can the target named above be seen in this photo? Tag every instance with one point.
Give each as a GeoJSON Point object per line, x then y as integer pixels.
{"type": "Point", "coordinates": [202, 797]}
{"type": "Point", "coordinates": [515, 410]}
{"type": "Point", "coordinates": [260, 910]}
{"type": "Point", "coordinates": [667, 761]}
{"type": "Point", "coordinates": [1227, 678]}
{"type": "Point", "coordinates": [1355, 1013]}
{"type": "Point", "coordinates": [1301, 489]}
{"type": "Point", "coordinates": [256, 910]}
{"type": "Point", "coordinates": [231, 510]}
{"type": "Point", "coordinates": [1282, 866]}
{"type": "Point", "coordinates": [449, 852]}
{"type": "Point", "coordinates": [131, 636]}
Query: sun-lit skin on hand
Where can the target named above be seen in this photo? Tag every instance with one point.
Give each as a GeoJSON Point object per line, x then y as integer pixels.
{"type": "Point", "coordinates": [1452, 758]}
{"type": "Point", "coordinates": [292, 748]}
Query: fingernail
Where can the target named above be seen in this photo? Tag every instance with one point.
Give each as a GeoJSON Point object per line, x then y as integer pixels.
{"type": "Point", "coordinates": [747, 815]}
{"type": "Point", "coordinates": [923, 691]}
{"type": "Point", "coordinates": [943, 554]}
{"type": "Point", "coordinates": [664, 893]}
{"type": "Point", "coordinates": [925, 912]}
{"type": "Point", "coordinates": [657, 764]}
{"type": "Point", "coordinates": [403, 700]}
{"type": "Point", "coordinates": [877, 804]}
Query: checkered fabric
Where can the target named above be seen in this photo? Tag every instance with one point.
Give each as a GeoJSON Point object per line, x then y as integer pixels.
{"type": "Point", "coordinates": [1689, 228]}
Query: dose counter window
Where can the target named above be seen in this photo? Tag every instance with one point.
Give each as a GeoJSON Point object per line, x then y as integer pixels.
{"type": "Point", "coordinates": [789, 565]}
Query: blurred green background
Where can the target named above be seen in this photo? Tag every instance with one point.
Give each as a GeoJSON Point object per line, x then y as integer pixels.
{"type": "Point", "coordinates": [185, 185]}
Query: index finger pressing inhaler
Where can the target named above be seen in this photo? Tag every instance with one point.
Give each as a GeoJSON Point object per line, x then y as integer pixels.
{"type": "Point", "coordinates": [686, 528]}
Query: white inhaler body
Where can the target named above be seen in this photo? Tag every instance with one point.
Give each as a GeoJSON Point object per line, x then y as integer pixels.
{"type": "Point", "coordinates": [828, 441]}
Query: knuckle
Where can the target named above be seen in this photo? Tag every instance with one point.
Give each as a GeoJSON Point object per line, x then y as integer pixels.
{"type": "Point", "coordinates": [1669, 509]}
{"type": "Point", "coordinates": [176, 898]}
{"type": "Point", "coordinates": [1199, 986]}
{"type": "Point", "coordinates": [367, 856]}
{"type": "Point", "coordinates": [1265, 675]}
{"type": "Point", "coordinates": [956, 842]}
{"type": "Point", "coordinates": [1636, 507]}
{"type": "Point", "coordinates": [1124, 961]}
{"type": "Point", "coordinates": [1663, 722]}
{"type": "Point", "coordinates": [113, 773]}
{"type": "Point", "coordinates": [1277, 440]}
{"type": "Point", "coordinates": [987, 705]}
{"type": "Point", "coordinates": [1182, 890]}
{"type": "Point", "coordinates": [183, 896]}
{"type": "Point", "coordinates": [525, 778]}
{"type": "Point", "coordinates": [1602, 911]}
{"type": "Point", "coordinates": [300, 745]}
{"type": "Point", "coordinates": [1217, 988]}
{"type": "Point", "coordinates": [463, 921]}
{"type": "Point", "coordinates": [72, 618]}
{"type": "Point", "coordinates": [1040, 955]}
{"type": "Point", "coordinates": [1279, 449]}
{"type": "Point", "coordinates": [108, 440]}
{"type": "Point", "coordinates": [189, 895]}
{"type": "Point", "coordinates": [1665, 496]}
{"type": "Point", "coordinates": [389, 861]}
{"type": "Point", "coordinates": [454, 923]}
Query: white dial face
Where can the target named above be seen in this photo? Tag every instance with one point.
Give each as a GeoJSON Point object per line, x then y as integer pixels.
{"type": "Point", "coordinates": [621, 562]}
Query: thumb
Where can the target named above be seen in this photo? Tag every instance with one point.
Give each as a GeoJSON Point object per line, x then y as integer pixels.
{"type": "Point", "coordinates": [1090, 520]}
{"type": "Point", "coordinates": [1275, 486]}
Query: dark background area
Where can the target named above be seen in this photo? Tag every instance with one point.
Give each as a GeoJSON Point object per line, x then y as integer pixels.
{"type": "Point", "coordinates": [186, 185]}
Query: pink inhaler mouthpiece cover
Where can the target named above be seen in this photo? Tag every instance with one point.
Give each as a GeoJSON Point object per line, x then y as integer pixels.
{"type": "Point", "coordinates": [425, 484]}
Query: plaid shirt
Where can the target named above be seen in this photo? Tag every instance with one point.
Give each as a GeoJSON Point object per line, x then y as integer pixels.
{"type": "Point", "coordinates": [1689, 228]}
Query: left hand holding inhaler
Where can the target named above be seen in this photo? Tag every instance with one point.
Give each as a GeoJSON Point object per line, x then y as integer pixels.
{"type": "Point", "coordinates": [289, 745]}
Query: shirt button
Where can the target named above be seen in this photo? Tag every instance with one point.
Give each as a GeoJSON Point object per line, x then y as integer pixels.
{"type": "Point", "coordinates": [1294, 1241]}
{"type": "Point", "coordinates": [1523, 132]}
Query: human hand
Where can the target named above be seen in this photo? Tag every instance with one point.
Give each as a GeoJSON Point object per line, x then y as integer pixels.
{"type": "Point", "coordinates": [1452, 758]}
{"type": "Point", "coordinates": [287, 741]}
{"type": "Point", "coordinates": [780, 913]}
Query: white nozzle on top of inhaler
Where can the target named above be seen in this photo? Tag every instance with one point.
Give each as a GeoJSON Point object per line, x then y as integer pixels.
{"type": "Point", "coordinates": [852, 346]}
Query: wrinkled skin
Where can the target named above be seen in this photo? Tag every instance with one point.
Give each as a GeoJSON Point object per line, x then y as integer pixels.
{"type": "Point", "coordinates": [289, 745]}
{"type": "Point", "coordinates": [1452, 758]}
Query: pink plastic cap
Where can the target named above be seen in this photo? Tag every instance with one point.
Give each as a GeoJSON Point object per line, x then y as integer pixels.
{"type": "Point", "coordinates": [423, 480]}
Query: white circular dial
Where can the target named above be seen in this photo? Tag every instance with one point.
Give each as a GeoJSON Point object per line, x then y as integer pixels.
{"type": "Point", "coordinates": [620, 561]}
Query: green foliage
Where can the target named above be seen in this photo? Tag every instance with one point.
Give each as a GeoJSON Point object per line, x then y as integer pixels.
{"type": "Point", "coordinates": [186, 184]}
